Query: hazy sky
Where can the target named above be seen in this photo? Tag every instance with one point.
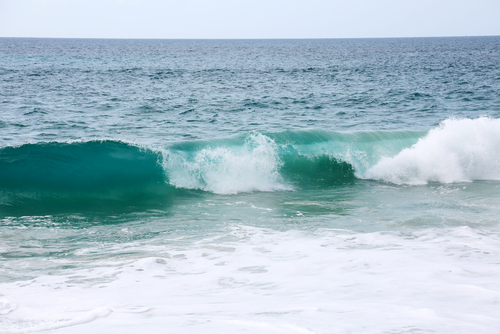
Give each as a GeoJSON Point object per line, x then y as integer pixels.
{"type": "Point", "coordinates": [248, 19]}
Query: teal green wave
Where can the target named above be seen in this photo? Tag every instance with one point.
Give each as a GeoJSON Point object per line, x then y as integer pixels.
{"type": "Point", "coordinates": [114, 175]}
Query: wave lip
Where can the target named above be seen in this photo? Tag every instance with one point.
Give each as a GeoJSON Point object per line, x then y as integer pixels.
{"type": "Point", "coordinates": [459, 150]}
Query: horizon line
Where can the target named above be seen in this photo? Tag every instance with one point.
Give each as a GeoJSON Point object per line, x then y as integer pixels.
{"type": "Point", "coordinates": [248, 38]}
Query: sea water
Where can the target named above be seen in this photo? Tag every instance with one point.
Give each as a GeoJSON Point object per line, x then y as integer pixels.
{"type": "Point", "coordinates": [250, 186]}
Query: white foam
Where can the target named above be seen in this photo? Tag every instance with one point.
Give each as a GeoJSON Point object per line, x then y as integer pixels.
{"type": "Point", "coordinates": [6, 306]}
{"type": "Point", "coordinates": [229, 170]}
{"type": "Point", "coordinates": [459, 150]}
{"type": "Point", "coordinates": [265, 281]}
{"type": "Point", "coordinates": [49, 323]}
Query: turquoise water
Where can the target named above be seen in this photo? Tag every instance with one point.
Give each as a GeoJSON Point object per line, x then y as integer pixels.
{"type": "Point", "coordinates": [309, 186]}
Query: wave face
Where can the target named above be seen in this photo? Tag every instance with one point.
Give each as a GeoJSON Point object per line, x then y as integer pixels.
{"type": "Point", "coordinates": [456, 151]}
{"type": "Point", "coordinates": [106, 174]}
{"type": "Point", "coordinates": [78, 174]}
{"type": "Point", "coordinates": [100, 174]}
{"type": "Point", "coordinates": [279, 161]}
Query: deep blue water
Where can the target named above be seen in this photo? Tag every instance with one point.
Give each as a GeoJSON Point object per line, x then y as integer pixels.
{"type": "Point", "coordinates": [172, 90]}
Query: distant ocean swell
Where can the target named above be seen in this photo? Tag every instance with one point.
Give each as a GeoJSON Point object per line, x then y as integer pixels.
{"type": "Point", "coordinates": [105, 172]}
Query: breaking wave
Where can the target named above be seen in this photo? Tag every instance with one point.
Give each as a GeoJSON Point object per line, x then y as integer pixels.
{"type": "Point", "coordinates": [459, 150]}
{"type": "Point", "coordinates": [101, 174]}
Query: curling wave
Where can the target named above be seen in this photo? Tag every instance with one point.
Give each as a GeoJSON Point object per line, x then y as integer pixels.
{"type": "Point", "coordinates": [279, 161]}
{"type": "Point", "coordinates": [103, 174]}
{"type": "Point", "coordinates": [95, 174]}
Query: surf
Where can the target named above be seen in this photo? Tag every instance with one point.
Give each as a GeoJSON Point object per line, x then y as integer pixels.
{"type": "Point", "coordinates": [458, 150]}
{"type": "Point", "coordinates": [102, 174]}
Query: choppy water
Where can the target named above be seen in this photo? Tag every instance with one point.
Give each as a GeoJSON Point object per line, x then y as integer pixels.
{"type": "Point", "coordinates": [297, 186]}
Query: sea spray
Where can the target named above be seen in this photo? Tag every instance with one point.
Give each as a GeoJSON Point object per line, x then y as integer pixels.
{"type": "Point", "coordinates": [254, 166]}
{"type": "Point", "coordinates": [279, 161]}
{"type": "Point", "coordinates": [458, 150]}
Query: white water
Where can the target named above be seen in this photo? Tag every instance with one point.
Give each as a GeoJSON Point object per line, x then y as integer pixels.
{"type": "Point", "coordinates": [432, 266]}
{"type": "Point", "coordinates": [255, 280]}
{"type": "Point", "coordinates": [223, 170]}
{"type": "Point", "coordinates": [459, 150]}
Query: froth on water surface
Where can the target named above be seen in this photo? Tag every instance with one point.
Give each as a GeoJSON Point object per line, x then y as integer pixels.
{"type": "Point", "coordinates": [458, 150]}
{"type": "Point", "coordinates": [263, 280]}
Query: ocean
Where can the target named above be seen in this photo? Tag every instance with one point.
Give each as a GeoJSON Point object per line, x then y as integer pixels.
{"type": "Point", "coordinates": [250, 186]}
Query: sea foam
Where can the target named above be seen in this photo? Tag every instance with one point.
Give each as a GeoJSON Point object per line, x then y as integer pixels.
{"type": "Point", "coordinates": [259, 280]}
{"type": "Point", "coordinates": [458, 150]}
{"type": "Point", "coordinates": [254, 166]}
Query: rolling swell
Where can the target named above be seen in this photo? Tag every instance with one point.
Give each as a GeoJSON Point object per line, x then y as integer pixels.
{"type": "Point", "coordinates": [104, 175]}
{"type": "Point", "coordinates": [327, 158]}
{"type": "Point", "coordinates": [289, 160]}
{"type": "Point", "coordinates": [94, 175]}
{"type": "Point", "coordinates": [107, 174]}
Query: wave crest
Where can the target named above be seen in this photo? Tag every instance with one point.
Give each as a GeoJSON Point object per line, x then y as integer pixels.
{"type": "Point", "coordinates": [459, 150]}
{"type": "Point", "coordinates": [254, 166]}
{"type": "Point", "coordinates": [101, 174]}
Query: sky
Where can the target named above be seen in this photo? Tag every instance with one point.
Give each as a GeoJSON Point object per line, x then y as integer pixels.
{"type": "Point", "coordinates": [237, 19]}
